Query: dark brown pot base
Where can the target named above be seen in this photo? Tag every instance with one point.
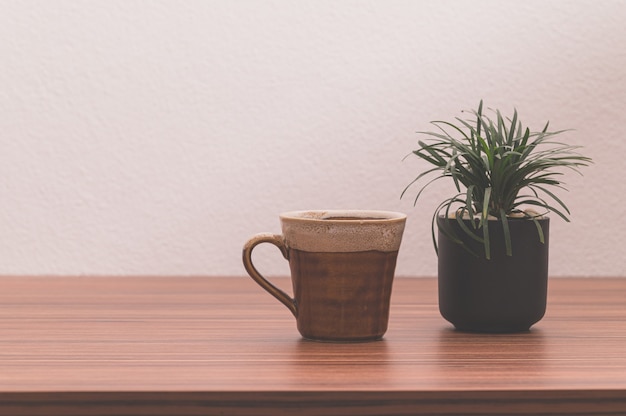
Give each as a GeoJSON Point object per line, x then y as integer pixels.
{"type": "Point", "coordinates": [506, 329]}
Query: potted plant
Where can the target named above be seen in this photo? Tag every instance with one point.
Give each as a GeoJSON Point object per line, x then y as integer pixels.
{"type": "Point", "coordinates": [493, 233]}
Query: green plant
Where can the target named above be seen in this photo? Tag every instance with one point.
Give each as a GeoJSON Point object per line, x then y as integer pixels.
{"type": "Point", "coordinates": [498, 167]}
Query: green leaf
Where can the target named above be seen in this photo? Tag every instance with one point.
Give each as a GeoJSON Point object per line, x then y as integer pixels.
{"type": "Point", "coordinates": [485, 222]}
{"type": "Point", "coordinates": [507, 233]}
{"type": "Point", "coordinates": [542, 239]}
{"type": "Point", "coordinates": [465, 228]}
{"type": "Point", "coordinates": [512, 131]}
{"type": "Point", "coordinates": [469, 202]}
{"type": "Point", "coordinates": [479, 117]}
{"type": "Point", "coordinates": [497, 166]}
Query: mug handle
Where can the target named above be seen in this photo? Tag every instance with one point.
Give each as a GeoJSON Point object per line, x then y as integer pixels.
{"type": "Point", "coordinates": [278, 241]}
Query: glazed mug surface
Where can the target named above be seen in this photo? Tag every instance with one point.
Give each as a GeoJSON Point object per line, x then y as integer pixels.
{"type": "Point", "coordinates": [342, 266]}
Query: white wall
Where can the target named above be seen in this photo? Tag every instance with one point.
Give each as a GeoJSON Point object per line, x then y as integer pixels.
{"type": "Point", "coordinates": [154, 137]}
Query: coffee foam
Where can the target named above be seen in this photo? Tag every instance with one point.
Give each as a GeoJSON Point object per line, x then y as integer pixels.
{"type": "Point", "coordinates": [317, 231]}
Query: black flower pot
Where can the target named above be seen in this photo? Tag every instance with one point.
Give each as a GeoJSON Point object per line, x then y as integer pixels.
{"type": "Point", "coordinates": [503, 294]}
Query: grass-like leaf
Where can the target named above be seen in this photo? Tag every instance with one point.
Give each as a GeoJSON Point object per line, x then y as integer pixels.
{"type": "Point", "coordinates": [498, 167]}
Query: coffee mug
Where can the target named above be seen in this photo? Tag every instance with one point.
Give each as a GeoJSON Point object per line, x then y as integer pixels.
{"type": "Point", "coordinates": [342, 267]}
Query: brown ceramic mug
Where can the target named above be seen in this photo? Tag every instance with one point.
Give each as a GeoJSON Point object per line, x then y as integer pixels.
{"type": "Point", "coordinates": [342, 267]}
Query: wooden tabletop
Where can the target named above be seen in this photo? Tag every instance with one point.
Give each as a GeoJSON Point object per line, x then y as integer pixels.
{"type": "Point", "coordinates": [190, 345]}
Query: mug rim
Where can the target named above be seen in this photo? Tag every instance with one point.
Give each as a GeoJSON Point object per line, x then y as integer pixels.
{"type": "Point", "coordinates": [329, 215]}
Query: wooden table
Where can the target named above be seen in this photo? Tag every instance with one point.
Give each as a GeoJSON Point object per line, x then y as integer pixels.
{"type": "Point", "coordinates": [187, 346]}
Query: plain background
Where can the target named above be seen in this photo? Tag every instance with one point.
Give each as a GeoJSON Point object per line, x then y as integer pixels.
{"type": "Point", "coordinates": [154, 137]}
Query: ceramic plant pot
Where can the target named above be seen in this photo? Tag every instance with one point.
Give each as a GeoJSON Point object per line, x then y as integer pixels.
{"type": "Point", "coordinates": [503, 294]}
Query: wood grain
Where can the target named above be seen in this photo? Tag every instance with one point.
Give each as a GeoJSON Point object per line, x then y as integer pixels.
{"type": "Point", "coordinates": [191, 345]}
